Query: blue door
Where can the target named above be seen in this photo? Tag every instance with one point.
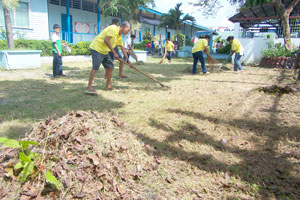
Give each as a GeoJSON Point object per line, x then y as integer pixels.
{"type": "Point", "coordinates": [64, 28]}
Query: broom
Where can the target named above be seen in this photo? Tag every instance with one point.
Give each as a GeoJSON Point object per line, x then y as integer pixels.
{"type": "Point", "coordinates": [211, 62]}
{"type": "Point", "coordinates": [162, 59]}
{"type": "Point", "coordinates": [153, 79]}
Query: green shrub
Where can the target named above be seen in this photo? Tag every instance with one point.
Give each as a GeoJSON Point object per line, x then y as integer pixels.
{"type": "Point", "coordinates": [3, 44]}
{"type": "Point", "coordinates": [142, 45]}
{"type": "Point", "coordinates": [278, 50]}
{"type": "Point", "coordinates": [188, 42]}
{"type": "Point", "coordinates": [225, 50]}
{"type": "Point", "coordinates": [147, 35]}
{"type": "Point", "coordinates": [81, 48]}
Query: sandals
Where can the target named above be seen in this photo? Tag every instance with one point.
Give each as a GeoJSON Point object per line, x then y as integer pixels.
{"type": "Point", "coordinates": [89, 92]}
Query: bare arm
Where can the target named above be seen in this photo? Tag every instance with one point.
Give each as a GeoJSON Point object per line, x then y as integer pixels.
{"type": "Point", "coordinates": [124, 53]}
{"type": "Point", "coordinates": [126, 57]}
{"type": "Point", "coordinates": [206, 50]}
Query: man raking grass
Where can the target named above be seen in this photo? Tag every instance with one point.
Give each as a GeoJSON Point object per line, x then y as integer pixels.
{"type": "Point", "coordinates": [201, 46]}
{"type": "Point", "coordinates": [105, 42]}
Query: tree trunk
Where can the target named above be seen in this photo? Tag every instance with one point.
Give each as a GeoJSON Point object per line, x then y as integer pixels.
{"type": "Point", "coordinates": [8, 27]}
{"type": "Point", "coordinates": [286, 30]}
{"type": "Point", "coordinates": [285, 19]}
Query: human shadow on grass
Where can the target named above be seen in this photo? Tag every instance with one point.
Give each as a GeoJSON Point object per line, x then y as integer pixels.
{"type": "Point", "coordinates": [264, 167]}
{"type": "Point", "coordinates": [34, 100]}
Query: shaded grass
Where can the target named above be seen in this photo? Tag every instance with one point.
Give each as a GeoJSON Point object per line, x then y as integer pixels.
{"type": "Point", "coordinates": [184, 125]}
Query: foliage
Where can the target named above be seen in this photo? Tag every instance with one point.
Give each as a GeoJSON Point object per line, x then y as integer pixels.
{"type": "Point", "coordinates": [175, 18]}
{"type": "Point", "coordinates": [188, 42]}
{"type": "Point", "coordinates": [207, 7]}
{"type": "Point", "coordinates": [156, 38]}
{"type": "Point", "coordinates": [225, 49]}
{"type": "Point", "coordinates": [142, 45]}
{"type": "Point", "coordinates": [180, 40]}
{"type": "Point", "coordinates": [147, 35]}
{"type": "Point", "coordinates": [80, 48]}
{"type": "Point", "coordinates": [278, 50]}
{"type": "Point", "coordinates": [125, 8]}
{"type": "Point", "coordinates": [219, 39]}
{"type": "Point", "coordinates": [27, 159]}
{"type": "Point", "coordinates": [52, 179]}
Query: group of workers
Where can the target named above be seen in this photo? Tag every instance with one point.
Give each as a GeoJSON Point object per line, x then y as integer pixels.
{"type": "Point", "coordinates": [105, 49]}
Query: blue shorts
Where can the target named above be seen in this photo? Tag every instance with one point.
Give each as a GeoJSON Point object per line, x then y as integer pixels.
{"type": "Point", "coordinates": [98, 59]}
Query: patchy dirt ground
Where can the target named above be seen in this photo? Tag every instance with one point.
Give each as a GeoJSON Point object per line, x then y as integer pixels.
{"type": "Point", "coordinates": [215, 136]}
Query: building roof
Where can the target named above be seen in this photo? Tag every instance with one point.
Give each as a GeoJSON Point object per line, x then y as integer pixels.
{"type": "Point", "coordinates": [262, 13]}
{"type": "Point", "coordinates": [185, 22]}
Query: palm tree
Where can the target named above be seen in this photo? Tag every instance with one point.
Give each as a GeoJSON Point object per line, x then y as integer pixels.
{"type": "Point", "coordinates": [7, 5]}
{"type": "Point", "coordinates": [175, 19]}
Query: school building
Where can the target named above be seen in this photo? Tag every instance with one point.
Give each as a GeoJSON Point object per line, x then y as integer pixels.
{"type": "Point", "coordinates": [80, 21]}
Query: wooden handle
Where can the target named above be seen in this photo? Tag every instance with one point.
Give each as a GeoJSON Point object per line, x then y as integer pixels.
{"type": "Point", "coordinates": [153, 79]}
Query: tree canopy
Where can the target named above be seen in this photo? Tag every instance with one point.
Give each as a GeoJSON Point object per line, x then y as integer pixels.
{"type": "Point", "coordinates": [175, 18]}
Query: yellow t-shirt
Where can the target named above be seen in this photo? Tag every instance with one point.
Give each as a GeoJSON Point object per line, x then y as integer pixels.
{"type": "Point", "coordinates": [98, 43]}
{"type": "Point", "coordinates": [236, 46]}
{"type": "Point", "coordinates": [200, 45]}
{"type": "Point", "coordinates": [169, 46]}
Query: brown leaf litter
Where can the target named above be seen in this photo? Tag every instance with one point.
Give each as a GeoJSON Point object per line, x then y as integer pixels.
{"type": "Point", "coordinates": [93, 155]}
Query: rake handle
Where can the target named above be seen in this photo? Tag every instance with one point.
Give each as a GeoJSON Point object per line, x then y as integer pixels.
{"type": "Point", "coordinates": [153, 79]}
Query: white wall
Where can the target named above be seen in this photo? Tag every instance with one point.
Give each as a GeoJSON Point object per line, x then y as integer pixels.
{"type": "Point", "coordinates": [254, 46]}
{"type": "Point", "coordinates": [38, 20]}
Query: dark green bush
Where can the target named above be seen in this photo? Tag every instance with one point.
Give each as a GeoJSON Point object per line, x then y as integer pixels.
{"type": "Point", "coordinates": [142, 45]}
{"type": "Point", "coordinates": [225, 50]}
{"type": "Point", "coordinates": [278, 50]}
{"type": "Point", "coordinates": [81, 48]}
{"type": "Point", "coordinates": [188, 42]}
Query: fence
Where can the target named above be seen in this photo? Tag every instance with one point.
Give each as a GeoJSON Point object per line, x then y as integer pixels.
{"type": "Point", "coordinates": [270, 27]}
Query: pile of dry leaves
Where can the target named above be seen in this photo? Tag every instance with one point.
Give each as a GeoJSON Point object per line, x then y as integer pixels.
{"type": "Point", "coordinates": [93, 156]}
{"type": "Point", "coordinates": [276, 89]}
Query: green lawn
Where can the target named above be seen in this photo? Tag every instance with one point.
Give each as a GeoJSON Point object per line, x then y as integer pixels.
{"type": "Point", "coordinates": [218, 137]}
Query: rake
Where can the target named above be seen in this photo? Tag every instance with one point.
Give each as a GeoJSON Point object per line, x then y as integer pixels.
{"type": "Point", "coordinates": [148, 76]}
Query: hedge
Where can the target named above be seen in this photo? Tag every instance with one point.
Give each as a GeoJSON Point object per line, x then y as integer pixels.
{"type": "Point", "coordinates": [81, 48]}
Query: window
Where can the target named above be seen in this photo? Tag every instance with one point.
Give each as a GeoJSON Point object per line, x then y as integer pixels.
{"type": "Point", "coordinates": [1, 15]}
{"type": "Point", "coordinates": [22, 18]}
{"type": "Point", "coordinates": [64, 3]}
{"type": "Point", "coordinates": [56, 2]}
{"type": "Point", "coordinates": [88, 6]}
{"type": "Point", "coordinates": [77, 4]}
{"type": "Point", "coordinates": [19, 16]}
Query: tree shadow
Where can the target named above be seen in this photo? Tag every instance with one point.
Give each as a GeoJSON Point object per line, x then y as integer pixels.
{"type": "Point", "coordinates": [264, 167]}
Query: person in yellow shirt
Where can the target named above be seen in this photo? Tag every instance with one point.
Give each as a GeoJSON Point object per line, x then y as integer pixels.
{"type": "Point", "coordinates": [237, 49]}
{"type": "Point", "coordinates": [200, 46]}
{"type": "Point", "coordinates": [105, 42]}
{"type": "Point", "coordinates": [117, 23]}
{"type": "Point", "coordinates": [169, 48]}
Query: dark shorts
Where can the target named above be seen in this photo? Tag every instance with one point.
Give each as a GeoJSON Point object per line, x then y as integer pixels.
{"type": "Point", "coordinates": [112, 55]}
{"type": "Point", "coordinates": [169, 55]}
{"type": "Point", "coordinates": [99, 59]}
